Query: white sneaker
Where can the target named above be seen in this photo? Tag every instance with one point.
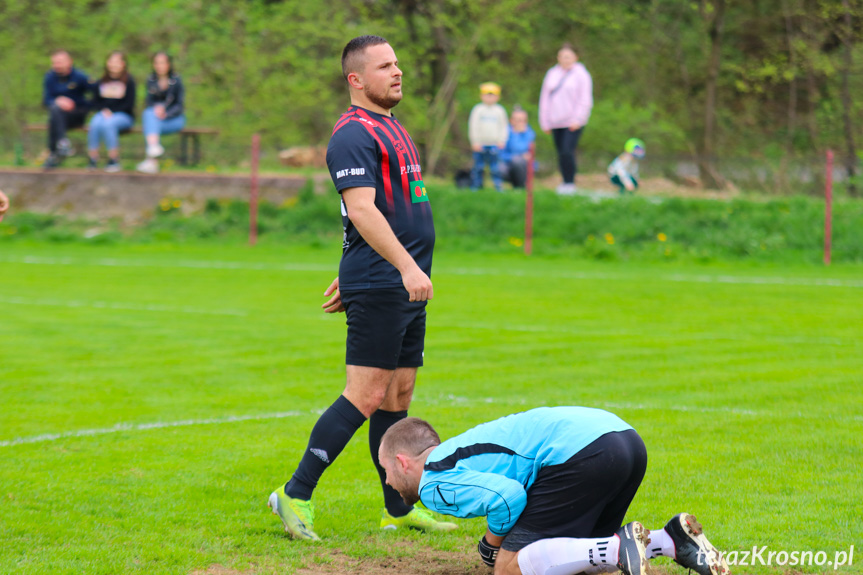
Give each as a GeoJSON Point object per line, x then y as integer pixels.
{"type": "Point", "coordinates": [154, 151]}
{"type": "Point", "coordinates": [148, 166]}
{"type": "Point", "coordinates": [566, 189]}
{"type": "Point", "coordinates": [64, 148]}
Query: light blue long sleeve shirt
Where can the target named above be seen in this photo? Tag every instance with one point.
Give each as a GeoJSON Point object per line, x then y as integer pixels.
{"type": "Point", "coordinates": [487, 471]}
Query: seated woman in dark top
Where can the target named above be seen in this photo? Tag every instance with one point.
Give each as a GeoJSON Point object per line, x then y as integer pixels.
{"type": "Point", "coordinates": [114, 104]}
{"type": "Point", "coordinates": [163, 112]}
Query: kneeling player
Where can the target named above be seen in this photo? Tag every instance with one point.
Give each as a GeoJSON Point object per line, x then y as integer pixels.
{"type": "Point", "coordinates": [554, 484]}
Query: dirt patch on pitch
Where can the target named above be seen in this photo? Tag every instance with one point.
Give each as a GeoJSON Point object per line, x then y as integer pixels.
{"type": "Point", "coordinates": [219, 570]}
{"type": "Point", "coordinates": [420, 562]}
{"type": "Point", "coordinates": [597, 185]}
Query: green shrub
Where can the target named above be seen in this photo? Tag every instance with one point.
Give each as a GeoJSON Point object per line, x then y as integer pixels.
{"type": "Point", "coordinates": [628, 228]}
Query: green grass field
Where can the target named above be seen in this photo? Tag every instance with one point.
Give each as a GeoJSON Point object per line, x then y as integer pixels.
{"type": "Point", "coordinates": [153, 397]}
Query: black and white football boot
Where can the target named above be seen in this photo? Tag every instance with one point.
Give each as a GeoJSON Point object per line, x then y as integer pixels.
{"type": "Point", "coordinates": [631, 558]}
{"type": "Point", "coordinates": [692, 549]}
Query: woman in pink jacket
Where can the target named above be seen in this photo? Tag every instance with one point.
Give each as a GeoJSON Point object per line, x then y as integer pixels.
{"type": "Point", "coordinates": [564, 108]}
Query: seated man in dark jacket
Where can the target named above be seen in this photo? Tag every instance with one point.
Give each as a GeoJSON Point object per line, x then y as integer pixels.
{"type": "Point", "coordinates": [64, 94]}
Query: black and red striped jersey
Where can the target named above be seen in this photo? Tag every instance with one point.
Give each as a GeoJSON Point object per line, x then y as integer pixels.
{"type": "Point", "coordinates": [370, 150]}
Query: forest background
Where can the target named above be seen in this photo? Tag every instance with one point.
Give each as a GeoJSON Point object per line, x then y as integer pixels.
{"type": "Point", "coordinates": [759, 88]}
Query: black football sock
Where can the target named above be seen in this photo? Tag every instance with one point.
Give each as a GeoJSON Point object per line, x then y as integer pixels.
{"type": "Point", "coordinates": [329, 437]}
{"type": "Point", "coordinates": [379, 422]}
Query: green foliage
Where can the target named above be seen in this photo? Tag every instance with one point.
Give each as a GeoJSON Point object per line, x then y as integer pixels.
{"type": "Point", "coordinates": [273, 67]}
{"type": "Point", "coordinates": [615, 122]}
{"type": "Point", "coordinates": [628, 228]}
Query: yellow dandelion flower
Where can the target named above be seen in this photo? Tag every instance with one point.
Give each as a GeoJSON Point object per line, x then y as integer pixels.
{"type": "Point", "coordinates": [517, 242]}
{"type": "Point", "coordinates": [211, 169]}
{"type": "Point", "coordinates": [609, 239]}
{"type": "Point", "coordinates": [165, 204]}
{"type": "Point", "coordinates": [661, 237]}
{"type": "Point", "coordinates": [177, 203]}
{"type": "Point", "coordinates": [290, 202]}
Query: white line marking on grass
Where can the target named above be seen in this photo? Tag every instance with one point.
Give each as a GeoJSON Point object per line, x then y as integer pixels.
{"type": "Point", "coordinates": [186, 264]}
{"type": "Point", "coordinates": [684, 408]}
{"type": "Point", "coordinates": [451, 399]}
{"type": "Point", "coordinates": [701, 278]}
{"type": "Point", "coordinates": [466, 401]}
{"type": "Point", "coordinates": [120, 427]}
{"type": "Point", "coordinates": [815, 282]}
{"type": "Point", "coordinates": [312, 267]}
{"type": "Point", "coordinates": [119, 306]}
{"type": "Point", "coordinates": [590, 333]}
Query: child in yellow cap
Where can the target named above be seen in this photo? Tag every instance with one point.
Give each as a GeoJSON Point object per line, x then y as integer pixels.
{"type": "Point", "coordinates": [488, 128]}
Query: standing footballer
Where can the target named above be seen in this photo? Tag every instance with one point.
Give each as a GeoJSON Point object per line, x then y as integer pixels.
{"type": "Point", "coordinates": [383, 283]}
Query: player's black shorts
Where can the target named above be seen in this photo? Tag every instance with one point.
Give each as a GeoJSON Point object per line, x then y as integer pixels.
{"type": "Point", "coordinates": [587, 496]}
{"type": "Point", "coordinates": [385, 329]}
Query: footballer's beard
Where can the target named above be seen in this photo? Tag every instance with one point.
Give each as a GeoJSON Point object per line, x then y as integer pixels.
{"type": "Point", "coordinates": [383, 99]}
{"type": "Point", "coordinates": [410, 491]}
{"type": "Point", "coordinates": [410, 498]}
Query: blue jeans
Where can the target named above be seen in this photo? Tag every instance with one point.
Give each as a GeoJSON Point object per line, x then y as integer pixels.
{"type": "Point", "coordinates": [489, 155]}
{"type": "Point", "coordinates": [108, 130]}
{"type": "Point", "coordinates": [154, 126]}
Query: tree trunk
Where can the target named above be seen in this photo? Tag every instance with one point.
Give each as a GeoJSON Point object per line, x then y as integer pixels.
{"type": "Point", "coordinates": [707, 162]}
{"type": "Point", "coordinates": [442, 110]}
{"type": "Point", "coordinates": [850, 148]}
{"type": "Point", "coordinates": [792, 86]}
{"type": "Point", "coordinates": [811, 86]}
{"type": "Point", "coordinates": [782, 178]}
{"type": "Point", "coordinates": [688, 90]}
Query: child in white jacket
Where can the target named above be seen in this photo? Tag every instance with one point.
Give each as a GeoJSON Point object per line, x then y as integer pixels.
{"type": "Point", "coordinates": [488, 129]}
{"type": "Point", "coordinates": [623, 171]}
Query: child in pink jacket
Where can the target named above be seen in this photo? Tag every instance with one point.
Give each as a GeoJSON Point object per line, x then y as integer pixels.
{"type": "Point", "coordinates": [564, 109]}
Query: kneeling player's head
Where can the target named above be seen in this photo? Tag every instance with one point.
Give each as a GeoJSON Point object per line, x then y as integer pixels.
{"type": "Point", "coordinates": [410, 436]}
{"type": "Point", "coordinates": [400, 455]}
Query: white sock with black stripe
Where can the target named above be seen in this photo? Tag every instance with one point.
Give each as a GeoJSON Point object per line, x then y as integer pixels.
{"type": "Point", "coordinates": [567, 556]}
{"type": "Point", "coordinates": [600, 569]}
{"type": "Point", "coordinates": [661, 545]}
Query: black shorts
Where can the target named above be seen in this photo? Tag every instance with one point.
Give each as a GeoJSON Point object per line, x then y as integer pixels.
{"type": "Point", "coordinates": [587, 496]}
{"type": "Point", "coordinates": [384, 329]}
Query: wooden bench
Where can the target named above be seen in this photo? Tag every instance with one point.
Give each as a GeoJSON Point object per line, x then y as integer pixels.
{"type": "Point", "coordinates": [189, 133]}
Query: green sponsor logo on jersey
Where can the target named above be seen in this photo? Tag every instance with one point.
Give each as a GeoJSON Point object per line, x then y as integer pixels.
{"type": "Point", "coordinates": [418, 192]}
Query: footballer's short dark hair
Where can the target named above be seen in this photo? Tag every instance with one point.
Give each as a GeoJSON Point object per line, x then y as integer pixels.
{"type": "Point", "coordinates": [352, 54]}
{"type": "Point", "coordinates": [410, 436]}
